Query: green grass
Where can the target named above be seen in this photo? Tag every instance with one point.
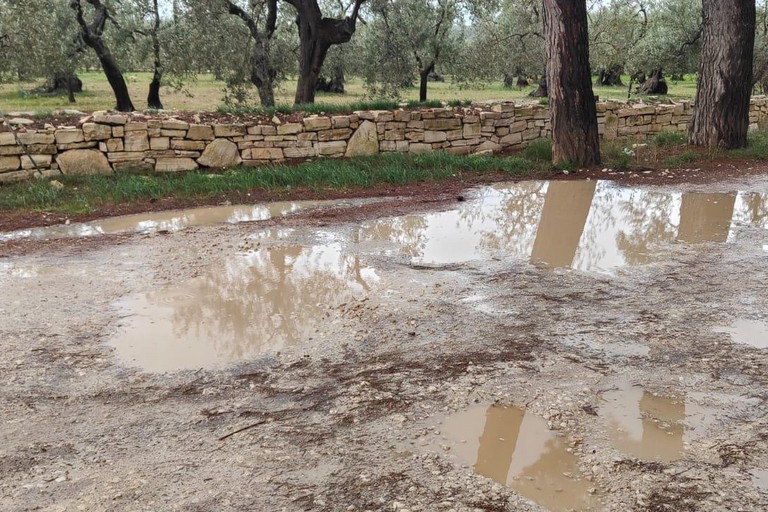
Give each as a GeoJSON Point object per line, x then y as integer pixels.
{"type": "Point", "coordinates": [757, 146]}
{"type": "Point", "coordinates": [667, 139]}
{"type": "Point", "coordinates": [616, 155]}
{"type": "Point", "coordinates": [538, 150]}
{"type": "Point", "coordinates": [328, 108]}
{"type": "Point", "coordinates": [689, 157]}
{"type": "Point", "coordinates": [87, 194]}
{"type": "Point", "coordinates": [205, 94]}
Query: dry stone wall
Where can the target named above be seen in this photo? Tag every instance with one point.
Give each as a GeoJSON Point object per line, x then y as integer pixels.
{"type": "Point", "coordinates": [109, 142]}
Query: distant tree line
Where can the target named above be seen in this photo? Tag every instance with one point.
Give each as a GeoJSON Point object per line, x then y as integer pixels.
{"type": "Point", "coordinates": [252, 45]}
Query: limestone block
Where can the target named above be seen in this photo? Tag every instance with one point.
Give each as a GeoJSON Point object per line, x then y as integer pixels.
{"type": "Point", "coordinates": [40, 161]}
{"type": "Point", "coordinates": [308, 152]}
{"type": "Point", "coordinates": [93, 131]}
{"type": "Point", "coordinates": [472, 130]}
{"type": "Point", "coordinates": [135, 126]}
{"type": "Point", "coordinates": [41, 149]}
{"type": "Point", "coordinates": [175, 165]}
{"type": "Point", "coordinates": [488, 146]}
{"type": "Point", "coordinates": [433, 136]}
{"type": "Point", "coordinates": [511, 139]}
{"type": "Point", "coordinates": [442, 124]}
{"type": "Point", "coordinates": [69, 136]}
{"type": "Point", "coordinates": [160, 143]}
{"type": "Point", "coordinates": [178, 134]}
{"type": "Point", "coordinates": [111, 119]}
{"type": "Point", "coordinates": [314, 124]}
{"type": "Point", "coordinates": [340, 121]}
{"type": "Point", "coordinates": [420, 148]}
{"type": "Point", "coordinates": [265, 154]}
{"type": "Point", "coordinates": [118, 131]}
{"type": "Point", "coordinates": [205, 132]}
{"type": "Point", "coordinates": [79, 145]}
{"type": "Point", "coordinates": [7, 139]}
{"type": "Point", "coordinates": [9, 163]}
{"type": "Point", "coordinates": [332, 148]}
{"type": "Point", "coordinates": [111, 145]}
{"type": "Point", "coordinates": [191, 145]}
{"type": "Point", "coordinates": [174, 124]}
{"type": "Point", "coordinates": [11, 150]}
{"type": "Point", "coordinates": [30, 138]}
{"type": "Point", "coordinates": [219, 154]}
{"type": "Point", "coordinates": [289, 129]}
{"type": "Point", "coordinates": [125, 156]}
{"type": "Point", "coordinates": [364, 141]}
{"type": "Point", "coordinates": [229, 130]}
{"type": "Point", "coordinates": [83, 161]}
{"type": "Point", "coordinates": [136, 140]}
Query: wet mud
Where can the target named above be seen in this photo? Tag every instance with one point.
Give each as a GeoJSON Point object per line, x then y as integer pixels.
{"type": "Point", "coordinates": [541, 346]}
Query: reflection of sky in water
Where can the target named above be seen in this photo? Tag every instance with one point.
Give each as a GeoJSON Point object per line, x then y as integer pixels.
{"type": "Point", "coordinates": [257, 302]}
{"type": "Point", "coordinates": [161, 221]}
{"type": "Point", "coordinates": [592, 227]}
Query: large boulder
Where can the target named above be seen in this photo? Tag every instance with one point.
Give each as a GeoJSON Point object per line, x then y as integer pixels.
{"type": "Point", "coordinates": [219, 154]}
{"type": "Point", "coordinates": [83, 161]}
{"type": "Point", "coordinates": [364, 142]}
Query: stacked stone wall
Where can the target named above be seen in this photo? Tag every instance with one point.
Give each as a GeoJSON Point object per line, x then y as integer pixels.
{"type": "Point", "coordinates": [110, 142]}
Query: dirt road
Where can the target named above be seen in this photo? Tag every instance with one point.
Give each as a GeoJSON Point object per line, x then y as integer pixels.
{"type": "Point", "coordinates": [540, 346]}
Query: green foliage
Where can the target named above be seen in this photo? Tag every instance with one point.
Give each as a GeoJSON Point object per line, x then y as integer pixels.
{"type": "Point", "coordinates": [688, 157]}
{"type": "Point", "coordinates": [424, 104]}
{"type": "Point", "coordinates": [667, 139]}
{"type": "Point", "coordinates": [757, 146]}
{"type": "Point", "coordinates": [84, 194]}
{"type": "Point", "coordinates": [539, 150]}
{"type": "Point", "coordinates": [617, 156]}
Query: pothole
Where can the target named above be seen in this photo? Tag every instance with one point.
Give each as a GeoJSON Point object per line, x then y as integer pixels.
{"type": "Point", "coordinates": [747, 332]}
{"type": "Point", "coordinates": [259, 302]}
{"type": "Point", "coordinates": [516, 448]}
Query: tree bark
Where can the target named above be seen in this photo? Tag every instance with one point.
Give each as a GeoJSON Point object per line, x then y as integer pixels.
{"type": "Point", "coordinates": [153, 97]}
{"type": "Point", "coordinates": [263, 72]}
{"type": "Point", "coordinates": [721, 110]}
{"type": "Point", "coordinates": [423, 80]}
{"type": "Point", "coordinates": [316, 35]}
{"type": "Point", "coordinates": [572, 109]}
{"type": "Point", "coordinates": [541, 91]}
{"type": "Point", "coordinates": [92, 36]}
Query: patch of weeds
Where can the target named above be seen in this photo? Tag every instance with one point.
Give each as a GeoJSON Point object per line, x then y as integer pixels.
{"type": "Point", "coordinates": [543, 101]}
{"type": "Point", "coordinates": [85, 194]}
{"type": "Point", "coordinates": [424, 104]}
{"type": "Point", "coordinates": [667, 139]}
{"type": "Point", "coordinates": [757, 146]}
{"type": "Point", "coordinates": [688, 157]}
{"type": "Point", "coordinates": [617, 156]}
{"type": "Point", "coordinates": [460, 103]}
{"type": "Point", "coordinates": [538, 149]}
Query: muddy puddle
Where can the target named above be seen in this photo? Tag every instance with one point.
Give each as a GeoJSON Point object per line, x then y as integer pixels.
{"type": "Point", "coordinates": [252, 304]}
{"type": "Point", "coordinates": [584, 225]}
{"type": "Point", "coordinates": [170, 221]}
{"type": "Point", "coordinates": [517, 449]}
{"type": "Point", "coordinates": [747, 332]}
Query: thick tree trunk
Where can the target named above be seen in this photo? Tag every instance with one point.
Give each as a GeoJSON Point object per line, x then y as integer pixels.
{"type": "Point", "coordinates": [721, 109]}
{"type": "Point", "coordinates": [71, 89]}
{"type": "Point", "coordinates": [116, 81]}
{"type": "Point", "coordinates": [153, 98]}
{"type": "Point", "coordinates": [92, 36]}
{"type": "Point", "coordinates": [655, 84]}
{"type": "Point", "coordinates": [262, 72]}
{"type": "Point", "coordinates": [316, 36]}
{"type": "Point", "coordinates": [572, 109]}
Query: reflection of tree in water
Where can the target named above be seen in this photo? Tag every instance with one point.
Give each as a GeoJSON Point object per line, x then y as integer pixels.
{"type": "Point", "coordinates": [501, 218]}
{"type": "Point", "coordinates": [751, 209]}
{"type": "Point", "coordinates": [622, 226]}
{"type": "Point", "coordinates": [266, 300]}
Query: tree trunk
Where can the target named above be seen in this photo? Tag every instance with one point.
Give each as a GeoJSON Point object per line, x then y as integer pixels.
{"type": "Point", "coordinates": [316, 35]}
{"type": "Point", "coordinates": [572, 109]}
{"type": "Point", "coordinates": [153, 98]}
{"type": "Point", "coordinates": [262, 72]}
{"type": "Point", "coordinates": [423, 79]}
{"type": "Point", "coordinates": [721, 109]}
{"type": "Point", "coordinates": [71, 89]}
{"type": "Point", "coordinates": [116, 81]}
{"type": "Point", "coordinates": [541, 91]}
{"type": "Point", "coordinates": [655, 84]}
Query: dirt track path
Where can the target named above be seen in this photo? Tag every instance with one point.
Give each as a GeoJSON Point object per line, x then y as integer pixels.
{"type": "Point", "coordinates": [359, 416]}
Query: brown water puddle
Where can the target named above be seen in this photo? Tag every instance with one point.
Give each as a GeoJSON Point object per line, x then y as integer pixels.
{"type": "Point", "coordinates": [747, 332]}
{"type": "Point", "coordinates": [254, 303]}
{"type": "Point", "coordinates": [174, 220]}
{"type": "Point", "coordinates": [585, 225]}
{"type": "Point", "coordinates": [516, 448]}
{"type": "Point", "coordinates": [644, 425]}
